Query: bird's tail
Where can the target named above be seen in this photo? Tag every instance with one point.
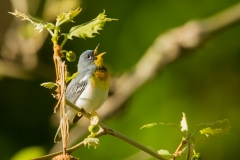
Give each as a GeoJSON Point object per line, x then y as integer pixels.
{"type": "Point", "coordinates": [58, 136]}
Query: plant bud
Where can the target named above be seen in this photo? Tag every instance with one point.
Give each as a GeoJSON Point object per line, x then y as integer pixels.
{"type": "Point", "coordinates": [71, 56]}
{"type": "Point", "coordinates": [93, 128]}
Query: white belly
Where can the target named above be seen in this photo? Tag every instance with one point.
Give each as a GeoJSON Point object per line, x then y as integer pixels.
{"type": "Point", "coordinates": [91, 99]}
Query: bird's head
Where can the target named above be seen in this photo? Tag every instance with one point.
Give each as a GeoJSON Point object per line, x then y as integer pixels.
{"type": "Point", "coordinates": [90, 59]}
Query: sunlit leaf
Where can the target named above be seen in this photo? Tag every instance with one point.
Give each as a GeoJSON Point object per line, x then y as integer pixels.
{"type": "Point", "coordinates": [160, 123]}
{"type": "Point", "coordinates": [39, 25]}
{"type": "Point", "coordinates": [87, 30]}
{"type": "Point", "coordinates": [219, 127]}
{"type": "Point", "coordinates": [48, 85]}
{"type": "Point", "coordinates": [149, 125]}
{"type": "Point", "coordinates": [67, 16]}
{"type": "Point", "coordinates": [164, 152]}
{"type": "Point", "coordinates": [72, 77]}
{"type": "Point", "coordinates": [29, 153]}
{"type": "Point", "coordinates": [183, 124]}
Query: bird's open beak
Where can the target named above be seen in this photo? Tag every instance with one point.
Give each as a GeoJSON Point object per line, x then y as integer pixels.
{"type": "Point", "coordinates": [96, 52]}
{"type": "Point", "coordinates": [101, 54]}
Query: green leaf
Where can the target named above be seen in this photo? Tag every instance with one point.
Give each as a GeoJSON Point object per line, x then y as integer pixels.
{"type": "Point", "coordinates": [29, 153]}
{"type": "Point", "coordinates": [67, 16]}
{"type": "Point", "coordinates": [216, 128]}
{"type": "Point", "coordinates": [48, 85]}
{"type": "Point", "coordinates": [72, 77]}
{"type": "Point", "coordinates": [87, 30]}
{"type": "Point", "coordinates": [149, 125]}
{"type": "Point", "coordinates": [160, 123]}
{"type": "Point", "coordinates": [196, 156]}
{"type": "Point", "coordinates": [164, 152]}
{"type": "Point", "coordinates": [39, 25]}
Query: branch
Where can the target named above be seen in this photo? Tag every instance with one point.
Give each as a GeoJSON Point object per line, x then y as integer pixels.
{"type": "Point", "coordinates": [165, 49]}
{"type": "Point", "coordinates": [105, 130]}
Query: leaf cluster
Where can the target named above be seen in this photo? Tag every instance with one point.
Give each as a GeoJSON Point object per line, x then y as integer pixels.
{"type": "Point", "coordinates": [216, 128]}
{"type": "Point", "coordinates": [86, 30]}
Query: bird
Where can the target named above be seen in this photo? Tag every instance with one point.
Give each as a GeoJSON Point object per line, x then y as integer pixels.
{"type": "Point", "coordinates": [89, 89]}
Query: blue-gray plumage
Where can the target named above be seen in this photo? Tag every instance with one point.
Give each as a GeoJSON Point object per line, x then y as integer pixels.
{"type": "Point", "coordinates": [89, 89]}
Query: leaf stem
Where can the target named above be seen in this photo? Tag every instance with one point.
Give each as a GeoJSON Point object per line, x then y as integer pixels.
{"type": "Point", "coordinates": [64, 41]}
{"type": "Point", "coordinates": [50, 31]}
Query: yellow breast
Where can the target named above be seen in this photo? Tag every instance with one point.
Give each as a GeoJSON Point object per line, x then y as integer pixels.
{"type": "Point", "coordinates": [101, 79]}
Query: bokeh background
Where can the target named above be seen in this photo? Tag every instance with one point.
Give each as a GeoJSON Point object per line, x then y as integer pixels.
{"type": "Point", "coordinates": [205, 85]}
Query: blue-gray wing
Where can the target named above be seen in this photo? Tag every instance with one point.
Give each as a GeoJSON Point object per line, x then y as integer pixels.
{"type": "Point", "coordinates": [76, 87]}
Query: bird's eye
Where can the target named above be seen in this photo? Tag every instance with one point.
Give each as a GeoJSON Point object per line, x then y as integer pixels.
{"type": "Point", "coordinates": [88, 56]}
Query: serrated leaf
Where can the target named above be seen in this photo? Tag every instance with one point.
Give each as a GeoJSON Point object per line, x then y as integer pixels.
{"type": "Point", "coordinates": [215, 128]}
{"type": "Point", "coordinates": [91, 142]}
{"type": "Point", "coordinates": [48, 85]}
{"type": "Point", "coordinates": [72, 77]}
{"type": "Point", "coordinates": [87, 30]}
{"type": "Point", "coordinates": [39, 25]}
{"type": "Point", "coordinates": [160, 123]}
{"type": "Point", "coordinates": [183, 123]}
{"type": "Point", "coordinates": [164, 152]}
{"type": "Point", "coordinates": [67, 16]}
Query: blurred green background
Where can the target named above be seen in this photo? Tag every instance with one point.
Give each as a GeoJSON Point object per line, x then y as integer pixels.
{"type": "Point", "coordinates": [205, 85]}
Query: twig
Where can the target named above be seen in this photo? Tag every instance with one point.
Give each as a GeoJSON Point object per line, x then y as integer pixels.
{"type": "Point", "coordinates": [64, 118]}
{"type": "Point", "coordinates": [105, 131]}
{"type": "Point", "coordinates": [114, 133]}
{"type": "Point", "coordinates": [133, 143]}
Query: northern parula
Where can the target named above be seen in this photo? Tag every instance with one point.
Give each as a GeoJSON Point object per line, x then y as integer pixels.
{"type": "Point", "coordinates": [89, 89]}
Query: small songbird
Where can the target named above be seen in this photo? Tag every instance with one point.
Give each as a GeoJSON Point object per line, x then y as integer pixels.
{"type": "Point", "coordinates": [89, 89]}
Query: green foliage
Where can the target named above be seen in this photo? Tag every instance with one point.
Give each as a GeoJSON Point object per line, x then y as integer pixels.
{"type": "Point", "coordinates": [39, 25]}
{"type": "Point", "coordinates": [67, 16]}
{"type": "Point", "coordinates": [29, 152]}
{"type": "Point", "coordinates": [71, 77]}
{"type": "Point", "coordinates": [160, 123]}
{"type": "Point", "coordinates": [149, 125]}
{"type": "Point", "coordinates": [196, 156]}
{"type": "Point", "coordinates": [48, 85]}
{"type": "Point", "coordinates": [87, 30]}
{"type": "Point", "coordinates": [215, 128]}
{"type": "Point", "coordinates": [164, 152]}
